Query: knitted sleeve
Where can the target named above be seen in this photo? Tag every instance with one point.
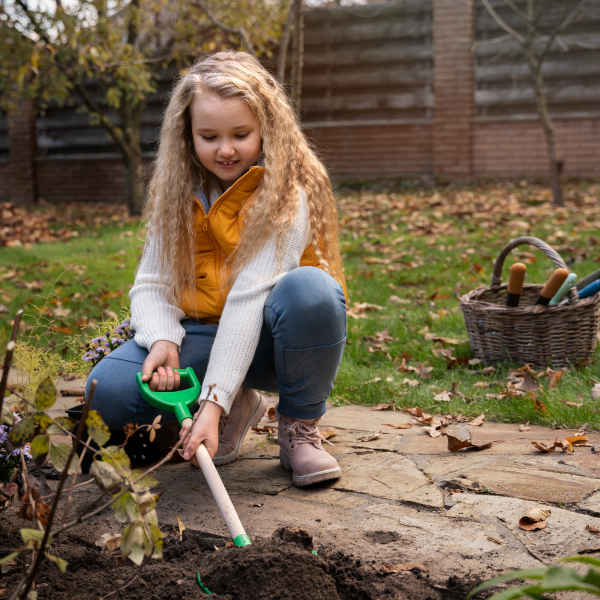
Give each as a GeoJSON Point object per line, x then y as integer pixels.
{"type": "Point", "coordinates": [154, 316]}
{"type": "Point", "coordinates": [242, 319]}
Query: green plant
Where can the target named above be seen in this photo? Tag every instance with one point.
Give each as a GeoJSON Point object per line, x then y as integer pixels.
{"type": "Point", "coordinates": [552, 579]}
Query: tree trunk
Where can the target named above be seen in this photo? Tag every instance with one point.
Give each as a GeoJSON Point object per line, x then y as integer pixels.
{"type": "Point", "coordinates": [284, 43]}
{"type": "Point", "coordinates": [131, 119]}
{"type": "Point", "coordinates": [556, 163]}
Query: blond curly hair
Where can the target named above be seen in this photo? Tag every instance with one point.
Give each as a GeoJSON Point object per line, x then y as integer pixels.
{"type": "Point", "coordinates": [288, 159]}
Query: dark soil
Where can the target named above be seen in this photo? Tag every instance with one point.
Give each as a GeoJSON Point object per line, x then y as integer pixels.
{"type": "Point", "coordinates": [283, 567]}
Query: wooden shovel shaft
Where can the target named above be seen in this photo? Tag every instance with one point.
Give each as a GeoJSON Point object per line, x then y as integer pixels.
{"type": "Point", "coordinates": [219, 492]}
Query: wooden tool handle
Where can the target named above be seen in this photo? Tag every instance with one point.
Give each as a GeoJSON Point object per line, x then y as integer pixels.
{"type": "Point", "coordinates": [553, 284]}
{"type": "Point", "coordinates": [219, 492]}
{"type": "Point", "coordinates": [516, 278]}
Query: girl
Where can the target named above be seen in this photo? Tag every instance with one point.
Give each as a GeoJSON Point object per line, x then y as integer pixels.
{"type": "Point", "coordinates": [240, 277]}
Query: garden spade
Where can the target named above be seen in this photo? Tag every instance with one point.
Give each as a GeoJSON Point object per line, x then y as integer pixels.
{"type": "Point", "coordinates": [179, 403]}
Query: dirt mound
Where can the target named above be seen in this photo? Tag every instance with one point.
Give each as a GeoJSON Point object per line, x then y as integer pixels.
{"type": "Point", "coordinates": [281, 567]}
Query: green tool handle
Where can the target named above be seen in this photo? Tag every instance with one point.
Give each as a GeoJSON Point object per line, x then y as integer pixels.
{"type": "Point", "coordinates": [174, 401]}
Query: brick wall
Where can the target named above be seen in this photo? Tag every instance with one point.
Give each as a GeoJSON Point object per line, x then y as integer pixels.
{"type": "Point", "coordinates": [367, 151]}
{"type": "Point", "coordinates": [518, 148]}
{"type": "Point", "coordinates": [88, 179]}
{"type": "Point", "coordinates": [23, 147]}
{"type": "Point", "coordinates": [453, 87]}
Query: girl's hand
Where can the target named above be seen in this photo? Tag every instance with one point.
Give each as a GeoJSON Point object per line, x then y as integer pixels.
{"type": "Point", "coordinates": [204, 430]}
{"type": "Point", "coordinates": [163, 358]}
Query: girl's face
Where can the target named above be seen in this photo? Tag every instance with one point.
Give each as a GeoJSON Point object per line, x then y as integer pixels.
{"type": "Point", "coordinates": [226, 136]}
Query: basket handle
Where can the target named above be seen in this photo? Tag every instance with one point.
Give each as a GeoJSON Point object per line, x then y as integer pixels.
{"type": "Point", "coordinates": [552, 254]}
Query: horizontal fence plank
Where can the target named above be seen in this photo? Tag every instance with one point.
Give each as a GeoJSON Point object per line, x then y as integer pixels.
{"type": "Point", "coordinates": [369, 30]}
{"type": "Point", "coordinates": [389, 75]}
{"type": "Point", "coordinates": [563, 95]}
{"type": "Point", "coordinates": [371, 53]}
{"type": "Point", "coordinates": [569, 66]}
{"type": "Point", "coordinates": [367, 102]}
{"type": "Point", "coordinates": [339, 14]}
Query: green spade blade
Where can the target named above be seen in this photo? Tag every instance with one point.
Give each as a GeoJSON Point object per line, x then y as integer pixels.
{"type": "Point", "coordinates": [175, 401]}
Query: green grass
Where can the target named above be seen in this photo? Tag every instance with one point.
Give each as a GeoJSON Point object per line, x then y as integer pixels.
{"type": "Point", "coordinates": [451, 235]}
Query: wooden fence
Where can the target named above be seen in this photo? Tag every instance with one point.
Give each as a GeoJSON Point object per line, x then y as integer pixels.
{"type": "Point", "coordinates": [398, 89]}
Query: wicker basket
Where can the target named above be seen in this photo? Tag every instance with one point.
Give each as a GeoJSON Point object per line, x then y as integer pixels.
{"type": "Point", "coordinates": [538, 335]}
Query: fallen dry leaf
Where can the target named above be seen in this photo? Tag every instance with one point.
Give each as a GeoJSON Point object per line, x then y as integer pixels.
{"type": "Point", "coordinates": [257, 504]}
{"type": "Point", "coordinates": [596, 391]}
{"type": "Point", "coordinates": [387, 569]}
{"type": "Point", "coordinates": [358, 309]}
{"type": "Point", "coordinates": [525, 427]}
{"type": "Point", "coordinates": [592, 529]}
{"type": "Point", "coordinates": [329, 432]}
{"type": "Point", "coordinates": [542, 447]}
{"type": "Point", "coordinates": [478, 421]}
{"type": "Point", "coordinates": [424, 420]}
{"type": "Point", "coordinates": [573, 404]}
{"type": "Point", "coordinates": [109, 541]}
{"type": "Point", "coordinates": [555, 378]}
{"type": "Point", "coordinates": [528, 383]}
{"type": "Point", "coordinates": [384, 407]}
{"type": "Point", "coordinates": [403, 426]}
{"type": "Point", "coordinates": [415, 412]}
{"type": "Point", "coordinates": [271, 415]}
{"type": "Point", "coordinates": [372, 380]}
{"type": "Point", "coordinates": [534, 519]}
{"type": "Point", "coordinates": [539, 407]}
{"type": "Point", "coordinates": [370, 438]}
{"type": "Point", "coordinates": [481, 384]}
{"type": "Point", "coordinates": [431, 337]}
{"type": "Point", "coordinates": [433, 431]}
{"type": "Point", "coordinates": [576, 440]}
{"type": "Point", "coordinates": [459, 437]}
{"type": "Point", "coordinates": [411, 382]}
{"type": "Point", "coordinates": [265, 429]}
{"type": "Point", "coordinates": [444, 396]}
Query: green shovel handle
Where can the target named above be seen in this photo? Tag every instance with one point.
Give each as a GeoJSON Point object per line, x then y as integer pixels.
{"type": "Point", "coordinates": [175, 401]}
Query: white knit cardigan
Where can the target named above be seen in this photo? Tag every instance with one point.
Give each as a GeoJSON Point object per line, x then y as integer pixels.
{"type": "Point", "coordinates": [155, 317]}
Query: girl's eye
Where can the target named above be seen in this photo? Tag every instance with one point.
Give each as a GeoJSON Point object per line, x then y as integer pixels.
{"type": "Point", "coordinates": [241, 136]}
{"type": "Point", "coordinates": [209, 138]}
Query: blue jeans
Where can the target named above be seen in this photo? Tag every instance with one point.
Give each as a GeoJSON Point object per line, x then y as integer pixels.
{"type": "Point", "coordinates": [298, 355]}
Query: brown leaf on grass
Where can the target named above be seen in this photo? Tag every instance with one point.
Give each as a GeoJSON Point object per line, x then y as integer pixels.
{"type": "Point", "coordinates": [572, 404]}
{"type": "Point", "coordinates": [534, 519]}
{"type": "Point", "coordinates": [327, 433]}
{"type": "Point", "coordinates": [431, 337]}
{"type": "Point", "coordinates": [370, 438]}
{"type": "Point", "coordinates": [411, 382]}
{"type": "Point", "coordinates": [381, 337]}
{"type": "Point", "coordinates": [481, 384]}
{"type": "Point", "coordinates": [555, 378]}
{"type": "Point", "coordinates": [424, 372]}
{"type": "Point", "coordinates": [542, 447]}
{"type": "Point", "coordinates": [528, 383]}
{"type": "Point", "coordinates": [358, 309]}
{"type": "Point", "coordinates": [403, 426]}
{"type": "Point", "coordinates": [384, 407]}
{"type": "Point", "coordinates": [387, 569]}
{"type": "Point", "coordinates": [525, 427]}
{"type": "Point", "coordinates": [478, 421]}
{"type": "Point", "coordinates": [444, 396]}
{"type": "Point", "coordinates": [592, 529]}
{"type": "Point", "coordinates": [539, 406]}
{"type": "Point", "coordinates": [375, 380]}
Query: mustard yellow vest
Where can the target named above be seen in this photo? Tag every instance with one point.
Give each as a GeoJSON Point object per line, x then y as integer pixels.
{"type": "Point", "coordinates": [217, 234]}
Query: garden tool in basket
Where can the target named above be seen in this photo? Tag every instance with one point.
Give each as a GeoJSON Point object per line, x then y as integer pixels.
{"type": "Point", "coordinates": [179, 403]}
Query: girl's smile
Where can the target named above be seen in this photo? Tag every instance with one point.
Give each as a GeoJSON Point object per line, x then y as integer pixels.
{"type": "Point", "coordinates": [226, 136]}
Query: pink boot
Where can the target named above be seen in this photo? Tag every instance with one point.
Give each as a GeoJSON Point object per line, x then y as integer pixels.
{"type": "Point", "coordinates": [246, 411]}
{"type": "Point", "coordinates": [300, 450]}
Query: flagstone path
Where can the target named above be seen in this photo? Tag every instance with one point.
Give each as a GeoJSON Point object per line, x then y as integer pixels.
{"type": "Point", "coordinates": [404, 497]}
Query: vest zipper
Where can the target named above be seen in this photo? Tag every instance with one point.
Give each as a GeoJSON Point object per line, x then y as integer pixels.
{"type": "Point", "coordinates": [205, 226]}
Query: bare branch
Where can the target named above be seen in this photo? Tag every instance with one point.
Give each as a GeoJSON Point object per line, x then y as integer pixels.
{"type": "Point", "coordinates": [564, 21]}
{"type": "Point", "coordinates": [513, 32]}
{"type": "Point", "coordinates": [239, 31]}
{"type": "Point", "coordinates": [516, 10]}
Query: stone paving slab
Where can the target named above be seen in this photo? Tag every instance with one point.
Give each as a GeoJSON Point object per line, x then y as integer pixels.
{"type": "Point", "coordinates": [564, 535]}
{"type": "Point", "coordinates": [387, 475]}
{"type": "Point", "coordinates": [527, 477]}
{"type": "Point", "coordinates": [591, 505]}
{"type": "Point", "coordinates": [326, 493]}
